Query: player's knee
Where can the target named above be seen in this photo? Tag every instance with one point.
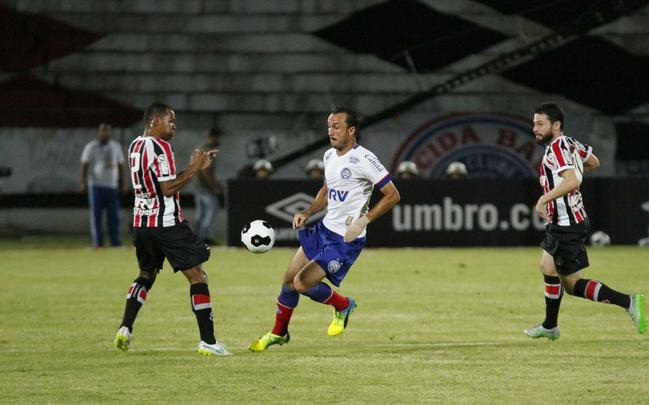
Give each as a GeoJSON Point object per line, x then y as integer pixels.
{"type": "Point", "coordinates": [148, 275]}
{"type": "Point", "coordinates": [196, 275]}
{"type": "Point", "coordinates": [568, 286]}
{"type": "Point", "coordinates": [548, 270]}
{"type": "Point", "coordinates": [299, 285]}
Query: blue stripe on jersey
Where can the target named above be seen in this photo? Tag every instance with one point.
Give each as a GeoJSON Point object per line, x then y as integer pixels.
{"type": "Point", "coordinates": [383, 181]}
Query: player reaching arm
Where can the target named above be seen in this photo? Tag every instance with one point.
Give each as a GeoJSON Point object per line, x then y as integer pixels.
{"type": "Point", "coordinates": [318, 204]}
{"type": "Point", "coordinates": [331, 246]}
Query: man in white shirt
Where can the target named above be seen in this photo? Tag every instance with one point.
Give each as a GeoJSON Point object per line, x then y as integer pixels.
{"type": "Point", "coordinates": [330, 248]}
{"type": "Point", "coordinates": [102, 176]}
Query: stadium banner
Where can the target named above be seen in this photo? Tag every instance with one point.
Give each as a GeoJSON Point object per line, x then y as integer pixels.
{"type": "Point", "coordinates": [489, 144]}
{"type": "Point", "coordinates": [470, 212]}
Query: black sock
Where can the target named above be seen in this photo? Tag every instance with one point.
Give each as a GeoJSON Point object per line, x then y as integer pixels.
{"type": "Point", "coordinates": [553, 295]}
{"type": "Point", "coordinates": [202, 307]}
{"type": "Point", "coordinates": [135, 298]}
{"type": "Point", "coordinates": [596, 291]}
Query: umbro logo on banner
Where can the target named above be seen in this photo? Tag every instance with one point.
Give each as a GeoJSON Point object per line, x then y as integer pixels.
{"type": "Point", "coordinates": [287, 207]}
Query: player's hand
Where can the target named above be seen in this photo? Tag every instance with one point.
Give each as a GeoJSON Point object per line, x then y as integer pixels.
{"type": "Point", "coordinates": [209, 158]}
{"type": "Point", "coordinates": [356, 228]}
{"type": "Point", "coordinates": [542, 209]}
{"type": "Point", "coordinates": [195, 160]}
{"type": "Point", "coordinates": [299, 219]}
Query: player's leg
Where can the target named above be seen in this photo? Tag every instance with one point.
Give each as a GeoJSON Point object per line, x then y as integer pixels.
{"type": "Point", "coordinates": [95, 204]}
{"type": "Point", "coordinates": [309, 282]}
{"type": "Point", "coordinates": [553, 294]}
{"type": "Point", "coordinates": [599, 292]}
{"type": "Point", "coordinates": [112, 207]}
{"type": "Point", "coordinates": [201, 304]}
{"type": "Point", "coordinates": [186, 252]}
{"type": "Point", "coordinates": [286, 302]}
{"type": "Point", "coordinates": [150, 260]}
{"type": "Point", "coordinates": [135, 298]}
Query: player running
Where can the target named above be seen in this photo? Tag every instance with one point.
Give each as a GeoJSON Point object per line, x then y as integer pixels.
{"type": "Point", "coordinates": [330, 247]}
{"type": "Point", "coordinates": [564, 251]}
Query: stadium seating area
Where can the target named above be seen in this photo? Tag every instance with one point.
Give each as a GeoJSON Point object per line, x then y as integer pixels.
{"type": "Point", "coordinates": [258, 63]}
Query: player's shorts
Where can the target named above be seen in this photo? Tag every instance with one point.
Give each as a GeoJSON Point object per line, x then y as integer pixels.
{"type": "Point", "coordinates": [177, 243]}
{"type": "Point", "coordinates": [330, 251]}
{"type": "Point", "coordinates": [567, 245]}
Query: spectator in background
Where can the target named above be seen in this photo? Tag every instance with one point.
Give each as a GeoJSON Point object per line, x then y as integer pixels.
{"type": "Point", "coordinates": [102, 177]}
{"type": "Point", "coordinates": [262, 169]}
{"type": "Point", "coordinates": [456, 171]}
{"type": "Point", "coordinates": [208, 192]}
{"type": "Point", "coordinates": [315, 169]}
{"type": "Point", "coordinates": [407, 170]}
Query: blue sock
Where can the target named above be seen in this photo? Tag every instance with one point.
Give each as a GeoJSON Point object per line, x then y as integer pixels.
{"type": "Point", "coordinates": [288, 298]}
{"type": "Point", "coordinates": [319, 293]}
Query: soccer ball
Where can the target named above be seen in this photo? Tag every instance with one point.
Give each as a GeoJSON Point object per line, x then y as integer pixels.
{"type": "Point", "coordinates": [258, 236]}
{"type": "Point", "coordinates": [600, 239]}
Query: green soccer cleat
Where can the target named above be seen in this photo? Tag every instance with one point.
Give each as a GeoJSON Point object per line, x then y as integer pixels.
{"type": "Point", "coordinates": [268, 339]}
{"type": "Point", "coordinates": [539, 331]}
{"type": "Point", "coordinates": [123, 338]}
{"type": "Point", "coordinates": [339, 322]}
{"type": "Point", "coordinates": [636, 312]}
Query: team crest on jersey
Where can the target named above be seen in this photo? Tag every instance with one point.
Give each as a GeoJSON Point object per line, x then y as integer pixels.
{"type": "Point", "coordinates": [345, 173]}
{"type": "Point", "coordinates": [334, 265]}
{"type": "Point", "coordinates": [489, 145]}
{"type": "Point", "coordinates": [164, 165]}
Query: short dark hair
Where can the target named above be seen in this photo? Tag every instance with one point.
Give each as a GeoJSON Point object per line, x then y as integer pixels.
{"type": "Point", "coordinates": [156, 109]}
{"type": "Point", "coordinates": [553, 111]}
{"type": "Point", "coordinates": [352, 119]}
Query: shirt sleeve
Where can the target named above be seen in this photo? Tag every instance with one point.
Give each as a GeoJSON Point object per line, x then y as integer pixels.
{"type": "Point", "coordinates": [584, 150]}
{"type": "Point", "coordinates": [85, 154]}
{"type": "Point", "coordinates": [374, 170]}
{"type": "Point", "coordinates": [562, 156]}
{"type": "Point", "coordinates": [164, 165]}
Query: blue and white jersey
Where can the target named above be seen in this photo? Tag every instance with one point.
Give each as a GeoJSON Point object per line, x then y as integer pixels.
{"type": "Point", "coordinates": [350, 179]}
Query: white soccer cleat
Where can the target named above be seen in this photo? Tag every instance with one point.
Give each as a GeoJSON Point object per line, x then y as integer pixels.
{"type": "Point", "coordinates": [123, 338]}
{"type": "Point", "coordinates": [217, 349]}
{"type": "Point", "coordinates": [539, 331]}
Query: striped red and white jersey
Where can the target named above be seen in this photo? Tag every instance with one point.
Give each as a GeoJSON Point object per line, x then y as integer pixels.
{"type": "Point", "coordinates": [152, 161]}
{"type": "Point", "coordinates": [558, 156]}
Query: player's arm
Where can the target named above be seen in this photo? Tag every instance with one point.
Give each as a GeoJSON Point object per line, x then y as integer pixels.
{"type": "Point", "coordinates": [318, 204]}
{"type": "Point", "coordinates": [591, 163]}
{"type": "Point", "coordinates": [390, 198]}
{"type": "Point", "coordinates": [199, 160]}
{"type": "Point", "coordinates": [569, 184]}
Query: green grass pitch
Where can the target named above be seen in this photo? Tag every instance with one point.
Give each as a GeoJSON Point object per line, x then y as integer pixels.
{"type": "Point", "coordinates": [432, 326]}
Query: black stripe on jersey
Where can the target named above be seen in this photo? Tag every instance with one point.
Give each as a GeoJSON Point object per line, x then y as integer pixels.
{"type": "Point", "coordinates": [562, 145]}
{"type": "Point", "coordinates": [550, 179]}
{"type": "Point", "coordinates": [571, 216]}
